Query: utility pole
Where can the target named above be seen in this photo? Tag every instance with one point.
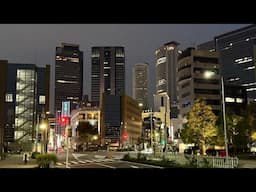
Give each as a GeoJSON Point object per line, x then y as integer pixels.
{"type": "Point", "coordinates": [151, 128]}
{"type": "Point", "coordinates": [67, 145]}
{"type": "Point", "coordinates": [224, 116]}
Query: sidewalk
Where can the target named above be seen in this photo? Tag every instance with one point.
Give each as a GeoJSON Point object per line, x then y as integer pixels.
{"type": "Point", "coordinates": [15, 161]}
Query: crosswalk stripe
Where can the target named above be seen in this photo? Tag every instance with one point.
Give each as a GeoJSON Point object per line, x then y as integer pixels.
{"type": "Point", "coordinates": [74, 162]}
{"type": "Point", "coordinates": [84, 161]}
{"type": "Point", "coordinates": [81, 161]}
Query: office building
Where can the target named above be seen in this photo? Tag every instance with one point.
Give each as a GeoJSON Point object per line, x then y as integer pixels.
{"type": "Point", "coordinates": [26, 97]}
{"type": "Point", "coordinates": [140, 84]}
{"type": "Point", "coordinates": [193, 83]}
{"type": "Point", "coordinates": [237, 57]}
{"type": "Point", "coordinates": [121, 119]}
{"type": "Point", "coordinates": [235, 99]}
{"type": "Point", "coordinates": [3, 81]}
{"type": "Point", "coordinates": [68, 75]}
{"type": "Point", "coordinates": [108, 72]}
{"type": "Point", "coordinates": [166, 72]}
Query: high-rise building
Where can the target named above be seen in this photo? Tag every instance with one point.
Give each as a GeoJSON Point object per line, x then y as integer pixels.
{"type": "Point", "coordinates": [68, 75]}
{"type": "Point", "coordinates": [166, 72]}
{"type": "Point", "coordinates": [235, 99]}
{"type": "Point", "coordinates": [237, 51]}
{"type": "Point", "coordinates": [140, 84]}
{"type": "Point", "coordinates": [3, 81]}
{"type": "Point", "coordinates": [26, 97]}
{"type": "Point", "coordinates": [193, 65]}
{"type": "Point", "coordinates": [108, 72]}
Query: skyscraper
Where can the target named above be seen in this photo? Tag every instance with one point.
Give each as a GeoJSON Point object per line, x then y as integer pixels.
{"type": "Point", "coordinates": [166, 71]}
{"type": "Point", "coordinates": [68, 75]}
{"type": "Point", "coordinates": [27, 94]}
{"type": "Point", "coordinates": [140, 84]}
{"type": "Point", "coordinates": [108, 72]}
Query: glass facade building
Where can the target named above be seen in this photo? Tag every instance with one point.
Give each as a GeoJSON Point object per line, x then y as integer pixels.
{"type": "Point", "coordinates": [140, 84]}
{"type": "Point", "coordinates": [26, 97]}
{"type": "Point", "coordinates": [108, 72]}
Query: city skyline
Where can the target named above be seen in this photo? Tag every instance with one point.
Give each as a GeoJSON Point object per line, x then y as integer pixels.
{"type": "Point", "coordinates": [36, 43]}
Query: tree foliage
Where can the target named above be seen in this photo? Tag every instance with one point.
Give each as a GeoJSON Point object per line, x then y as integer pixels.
{"type": "Point", "coordinates": [201, 125]}
{"type": "Point", "coordinates": [85, 132]}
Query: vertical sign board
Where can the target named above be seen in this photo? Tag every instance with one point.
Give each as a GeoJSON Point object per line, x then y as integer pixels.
{"type": "Point", "coordinates": [65, 111]}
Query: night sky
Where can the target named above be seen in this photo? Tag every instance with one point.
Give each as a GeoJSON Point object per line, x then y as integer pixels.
{"type": "Point", "coordinates": [36, 43]}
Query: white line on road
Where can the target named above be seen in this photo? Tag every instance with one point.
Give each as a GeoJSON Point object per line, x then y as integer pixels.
{"type": "Point", "coordinates": [74, 162]}
{"type": "Point", "coordinates": [132, 166]}
{"type": "Point", "coordinates": [88, 161]}
{"type": "Point", "coordinates": [81, 161]}
{"type": "Point", "coordinates": [59, 163]}
{"type": "Point", "coordinates": [105, 165]}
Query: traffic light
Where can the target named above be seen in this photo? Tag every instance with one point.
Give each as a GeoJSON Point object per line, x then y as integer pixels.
{"type": "Point", "coordinates": [63, 120]}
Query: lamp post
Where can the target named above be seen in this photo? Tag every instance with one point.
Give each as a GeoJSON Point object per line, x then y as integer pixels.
{"type": "Point", "coordinates": [43, 126]}
{"type": "Point", "coordinates": [209, 74]}
{"type": "Point", "coordinates": [151, 128]}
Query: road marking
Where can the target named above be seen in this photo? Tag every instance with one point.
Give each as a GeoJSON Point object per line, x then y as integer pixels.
{"type": "Point", "coordinates": [99, 156]}
{"type": "Point", "coordinates": [59, 164]}
{"type": "Point", "coordinates": [77, 155]}
{"type": "Point", "coordinates": [132, 166]}
{"type": "Point", "coordinates": [74, 162]}
{"type": "Point", "coordinates": [81, 161]}
{"type": "Point", "coordinates": [105, 165]}
{"type": "Point", "coordinates": [88, 161]}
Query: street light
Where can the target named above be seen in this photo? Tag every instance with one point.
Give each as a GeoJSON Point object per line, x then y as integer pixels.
{"type": "Point", "coordinates": [207, 75]}
{"type": "Point", "coordinates": [43, 126]}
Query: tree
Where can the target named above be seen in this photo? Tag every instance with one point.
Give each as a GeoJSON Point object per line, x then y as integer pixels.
{"type": "Point", "coordinates": [85, 133]}
{"type": "Point", "coordinates": [201, 125]}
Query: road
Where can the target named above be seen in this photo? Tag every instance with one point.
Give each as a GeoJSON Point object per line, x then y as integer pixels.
{"type": "Point", "coordinates": [99, 159]}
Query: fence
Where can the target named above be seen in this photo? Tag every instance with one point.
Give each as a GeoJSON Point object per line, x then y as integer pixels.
{"type": "Point", "coordinates": [197, 160]}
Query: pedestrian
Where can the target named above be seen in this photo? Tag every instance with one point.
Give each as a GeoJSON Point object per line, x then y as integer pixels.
{"type": "Point", "coordinates": [25, 158]}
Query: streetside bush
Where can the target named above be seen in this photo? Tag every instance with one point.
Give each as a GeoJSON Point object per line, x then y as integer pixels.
{"type": "Point", "coordinates": [127, 157]}
{"type": "Point", "coordinates": [34, 154]}
{"type": "Point", "coordinates": [44, 160]}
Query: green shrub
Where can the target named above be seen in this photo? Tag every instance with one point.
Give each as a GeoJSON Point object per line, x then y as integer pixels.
{"type": "Point", "coordinates": [4, 156]}
{"type": "Point", "coordinates": [205, 163]}
{"type": "Point", "coordinates": [44, 160]}
{"type": "Point", "coordinates": [141, 157]}
{"type": "Point", "coordinates": [126, 156]}
{"type": "Point", "coordinates": [34, 154]}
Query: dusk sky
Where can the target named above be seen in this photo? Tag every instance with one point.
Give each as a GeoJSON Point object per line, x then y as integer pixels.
{"type": "Point", "coordinates": [36, 43]}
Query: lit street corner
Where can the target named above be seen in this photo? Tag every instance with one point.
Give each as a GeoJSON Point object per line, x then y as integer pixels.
{"type": "Point", "coordinates": [16, 161]}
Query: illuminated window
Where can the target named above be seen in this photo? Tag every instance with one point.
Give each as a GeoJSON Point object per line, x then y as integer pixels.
{"type": "Point", "coordinates": [105, 62]}
{"type": "Point", "coordinates": [105, 75]}
{"type": "Point", "coordinates": [170, 48]}
{"type": "Point", "coordinates": [8, 97]}
{"type": "Point", "coordinates": [239, 100]}
{"type": "Point", "coordinates": [161, 60]}
{"type": "Point", "coordinates": [41, 99]}
{"type": "Point", "coordinates": [230, 99]}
